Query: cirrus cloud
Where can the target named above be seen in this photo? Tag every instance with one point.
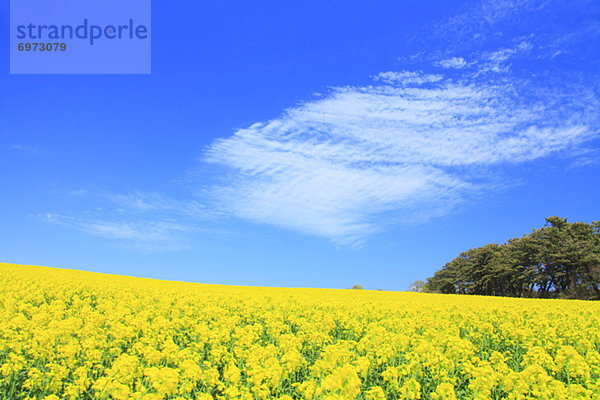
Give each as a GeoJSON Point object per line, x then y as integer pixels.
{"type": "Point", "coordinates": [407, 148]}
{"type": "Point", "coordinates": [452, 63]}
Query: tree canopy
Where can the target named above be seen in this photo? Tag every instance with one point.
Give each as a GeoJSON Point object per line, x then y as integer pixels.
{"type": "Point", "coordinates": [561, 259]}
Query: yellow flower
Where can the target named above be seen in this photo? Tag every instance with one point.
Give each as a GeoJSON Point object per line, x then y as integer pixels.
{"type": "Point", "coordinates": [375, 393]}
{"type": "Point", "coordinates": [444, 391]}
{"type": "Point", "coordinates": [64, 333]}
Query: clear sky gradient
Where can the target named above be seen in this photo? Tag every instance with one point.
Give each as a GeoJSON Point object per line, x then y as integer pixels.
{"type": "Point", "coordinates": [320, 143]}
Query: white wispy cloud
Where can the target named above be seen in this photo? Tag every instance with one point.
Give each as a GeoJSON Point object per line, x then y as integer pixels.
{"type": "Point", "coordinates": [153, 202]}
{"type": "Point", "coordinates": [147, 235]}
{"type": "Point", "coordinates": [452, 63]}
{"type": "Point", "coordinates": [407, 77]}
{"type": "Point", "coordinates": [489, 13]}
{"type": "Point", "coordinates": [408, 148]}
{"type": "Point", "coordinates": [502, 55]}
{"type": "Point", "coordinates": [499, 60]}
{"type": "Point", "coordinates": [141, 220]}
{"type": "Point", "coordinates": [26, 149]}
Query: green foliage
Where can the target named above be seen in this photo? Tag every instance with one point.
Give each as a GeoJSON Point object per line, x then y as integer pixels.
{"type": "Point", "coordinates": [357, 287]}
{"type": "Point", "coordinates": [561, 259]}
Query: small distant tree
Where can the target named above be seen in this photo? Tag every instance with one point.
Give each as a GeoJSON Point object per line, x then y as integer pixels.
{"type": "Point", "coordinates": [357, 287]}
{"type": "Point", "coordinates": [417, 286]}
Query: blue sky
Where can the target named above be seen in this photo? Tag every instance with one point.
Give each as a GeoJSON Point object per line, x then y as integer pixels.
{"type": "Point", "coordinates": [320, 144]}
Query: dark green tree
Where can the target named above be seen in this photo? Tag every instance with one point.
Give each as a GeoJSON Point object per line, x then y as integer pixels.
{"type": "Point", "coordinates": [561, 259]}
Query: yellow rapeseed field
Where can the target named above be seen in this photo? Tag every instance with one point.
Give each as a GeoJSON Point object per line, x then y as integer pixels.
{"type": "Point", "coordinates": [68, 334]}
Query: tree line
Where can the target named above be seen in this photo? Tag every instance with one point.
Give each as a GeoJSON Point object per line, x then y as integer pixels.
{"type": "Point", "coordinates": [559, 260]}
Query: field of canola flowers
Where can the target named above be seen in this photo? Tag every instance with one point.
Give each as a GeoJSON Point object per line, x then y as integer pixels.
{"type": "Point", "coordinates": [67, 334]}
